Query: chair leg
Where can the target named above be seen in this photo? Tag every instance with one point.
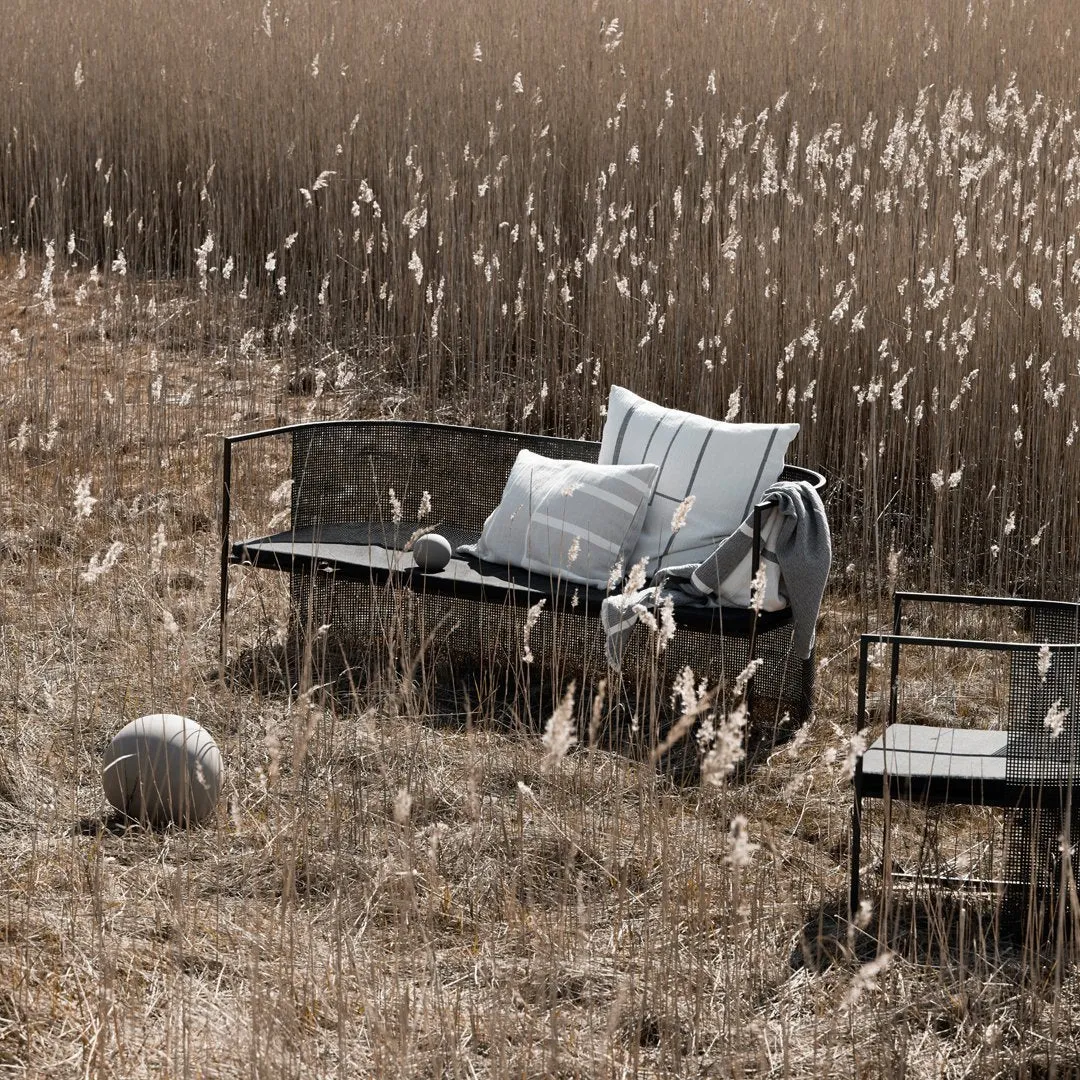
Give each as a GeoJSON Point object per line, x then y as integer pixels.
{"type": "Point", "coordinates": [856, 844]}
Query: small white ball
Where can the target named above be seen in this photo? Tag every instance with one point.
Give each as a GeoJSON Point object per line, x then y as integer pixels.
{"type": "Point", "coordinates": [163, 769]}
{"type": "Point", "coordinates": [431, 552]}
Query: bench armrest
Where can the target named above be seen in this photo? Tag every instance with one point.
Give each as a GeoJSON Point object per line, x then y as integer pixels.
{"type": "Point", "coordinates": [228, 442]}
{"type": "Point", "coordinates": [789, 472]}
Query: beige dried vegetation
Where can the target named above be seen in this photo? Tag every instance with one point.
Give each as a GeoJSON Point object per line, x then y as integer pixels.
{"type": "Point", "coordinates": [390, 890]}
{"type": "Point", "coordinates": [218, 217]}
{"type": "Point", "coordinates": [861, 216]}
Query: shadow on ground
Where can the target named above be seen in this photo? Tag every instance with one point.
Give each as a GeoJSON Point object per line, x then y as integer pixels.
{"type": "Point", "coordinates": [943, 929]}
{"type": "Point", "coordinates": [112, 821]}
{"type": "Point", "coordinates": [514, 699]}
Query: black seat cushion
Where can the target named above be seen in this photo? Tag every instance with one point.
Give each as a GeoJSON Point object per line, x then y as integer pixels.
{"type": "Point", "coordinates": [374, 551]}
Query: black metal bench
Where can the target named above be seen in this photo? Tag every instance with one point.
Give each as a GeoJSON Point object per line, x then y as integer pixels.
{"type": "Point", "coordinates": [351, 575]}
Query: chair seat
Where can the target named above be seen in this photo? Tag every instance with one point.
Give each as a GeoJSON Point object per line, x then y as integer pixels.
{"type": "Point", "coordinates": [938, 764]}
{"type": "Point", "coordinates": [958, 765]}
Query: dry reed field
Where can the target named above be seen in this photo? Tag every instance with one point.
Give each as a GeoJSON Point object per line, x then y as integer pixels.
{"type": "Point", "coordinates": [218, 216]}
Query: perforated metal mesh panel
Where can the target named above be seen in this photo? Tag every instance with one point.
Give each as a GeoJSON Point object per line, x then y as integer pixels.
{"type": "Point", "coordinates": [1042, 757]}
{"type": "Point", "coordinates": [372, 625]}
{"type": "Point", "coordinates": [344, 472]}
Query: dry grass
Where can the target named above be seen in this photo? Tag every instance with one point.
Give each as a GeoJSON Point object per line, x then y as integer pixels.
{"type": "Point", "coordinates": [591, 922]}
{"type": "Point", "coordinates": [586, 920]}
{"type": "Point", "coordinates": [859, 215]}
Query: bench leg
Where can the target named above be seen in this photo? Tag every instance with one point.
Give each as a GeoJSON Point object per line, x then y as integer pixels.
{"type": "Point", "coordinates": [223, 614]}
{"type": "Point", "coordinates": [223, 599]}
{"type": "Point", "coordinates": [856, 844]}
{"type": "Point", "coordinates": [809, 674]}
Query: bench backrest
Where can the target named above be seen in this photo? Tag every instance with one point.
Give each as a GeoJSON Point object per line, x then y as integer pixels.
{"type": "Point", "coordinates": [344, 471]}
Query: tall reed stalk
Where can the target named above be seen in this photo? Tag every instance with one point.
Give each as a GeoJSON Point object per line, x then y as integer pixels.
{"type": "Point", "coordinates": [861, 217]}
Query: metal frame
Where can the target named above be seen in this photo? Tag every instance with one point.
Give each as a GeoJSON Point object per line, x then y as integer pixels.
{"type": "Point", "coordinates": [747, 626]}
{"type": "Point", "coordinates": [1034, 796]}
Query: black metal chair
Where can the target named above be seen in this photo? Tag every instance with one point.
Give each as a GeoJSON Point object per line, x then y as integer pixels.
{"type": "Point", "coordinates": [1026, 763]}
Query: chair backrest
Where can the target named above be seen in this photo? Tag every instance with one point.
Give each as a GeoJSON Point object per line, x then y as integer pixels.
{"type": "Point", "coordinates": [1043, 751]}
{"type": "Point", "coordinates": [1044, 700]}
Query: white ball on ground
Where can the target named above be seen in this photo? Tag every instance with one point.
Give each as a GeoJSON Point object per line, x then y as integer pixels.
{"type": "Point", "coordinates": [431, 553]}
{"type": "Point", "coordinates": [163, 769]}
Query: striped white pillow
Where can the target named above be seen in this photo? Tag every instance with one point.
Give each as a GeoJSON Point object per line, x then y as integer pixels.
{"type": "Point", "coordinates": [726, 467]}
{"type": "Point", "coordinates": [573, 519]}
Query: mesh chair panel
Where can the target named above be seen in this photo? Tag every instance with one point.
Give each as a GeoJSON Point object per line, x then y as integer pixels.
{"type": "Point", "coordinates": [1044, 742]}
{"type": "Point", "coordinates": [345, 472]}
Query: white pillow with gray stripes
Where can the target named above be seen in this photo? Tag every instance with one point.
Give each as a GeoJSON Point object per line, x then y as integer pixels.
{"type": "Point", "coordinates": [726, 467]}
{"type": "Point", "coordinates": [573, 519]}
